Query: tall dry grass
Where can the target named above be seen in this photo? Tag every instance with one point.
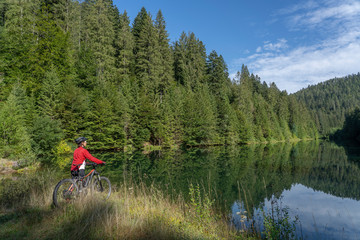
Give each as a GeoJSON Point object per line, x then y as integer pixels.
{"type": "Point", "coordinates": [134, 211]}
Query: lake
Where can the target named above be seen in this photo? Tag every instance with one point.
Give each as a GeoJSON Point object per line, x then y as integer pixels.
{"type": "Point", "coordinates": [317, 182]}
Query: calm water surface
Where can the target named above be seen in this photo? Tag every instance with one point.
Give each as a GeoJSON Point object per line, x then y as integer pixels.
{"type": "Point", "coordinates": [316, 181]}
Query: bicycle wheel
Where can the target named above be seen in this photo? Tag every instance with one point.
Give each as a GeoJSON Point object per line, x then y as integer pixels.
{"type": "Point", "coordinates": [65, 192]}
{"type": "Point", "coordinates": [102, 187]}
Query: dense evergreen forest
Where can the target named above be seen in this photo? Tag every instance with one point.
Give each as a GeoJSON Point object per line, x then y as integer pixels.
{"type": "Point", "coordinates": [351, 128]}
{"type": "Point", "coordinates": [71, 68]}
{"type": "Point", "coordinates": [330, 101]}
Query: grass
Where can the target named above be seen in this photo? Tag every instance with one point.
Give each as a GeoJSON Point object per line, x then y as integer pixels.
{"type": "Point", "coordinates": [134, 211]}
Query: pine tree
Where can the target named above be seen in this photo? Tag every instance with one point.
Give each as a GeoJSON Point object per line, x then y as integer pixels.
{"type": "Point", "coordinates": [244, 104]}
{"type": "Point", "coordinates": [219, 84]}
{"type": "Point", "coordinates": [14, 135]}
{"type": "Point", "coordinates": [199, 118]}
{"type": "Point", "coordinates": [3, 9]}
{"type": "Point", "coordinates": [145, 119]}
{"type": "Point", "coordinates": [124, 43]}
{"type": "Point", "coordinates": [46, 134]}
{"type": "Point", "coordinates": [65, 11]}
{"type": "Point", "coordinates": [282, 110]}
{"type": "Point", "coordinates": [168, 126]}
{"type": "Point", "coordinates": [69, 16]}
{"type": "Point", "coordinates": [19, 21]}
{"type": "Point", "coordinates": [102, 125]}
{"type": "Point", "coordinates": [99, 36]}
{"type": "Point", "coordinates": [166, 60]}
{"type": "Point", "coordinates": [189, 60]}
{"type": "Point", "coordinates": [49, 100]}
{"type": "Point", "coordinates": [51, 49]}
{"type": "Point", "coordinates": [217, 75]}
{"type": "Point", "coordinates": [147, 55]}
{"type": "Point", "coordinates": [176, 98]}
{"type": "Point", "coordinates": [75, 108]}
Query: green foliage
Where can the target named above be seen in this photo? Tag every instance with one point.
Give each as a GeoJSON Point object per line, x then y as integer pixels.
{"type": "Point", "coordinates": [189, 60]}
{"type": "Point", "coordinates": [278, 223]}
{"type": "Point", "coordinates": [75, 109]}
{"type": "Point", "coordinates": [49, 99]}
{"type": "Point", "coordinates": [351, 128]}
{"type": "Point", "coordinates": [329, 102]}
{"type": "Point", "coordinates": [46, 134]}
{"type": "Point", "coordinates": [99, 35]}
{"type": "Point", "coordinates": [199, 119]}
{"type": "Point", "coordinates": [104, 125]}
{"type": "Point", "coordinates": [217, 75]}
{"type": "Point", "coordinates": [201, 205]}
{"type": "Point", "coordinates": [147, 54]}
{"type": "Point", "coordinates": [17, 40]}
{"type": "Point", "coordinates": [124, 44]}
{"type": "Point", "coordinates": [166, 78]}
{"type": "Point", "coordinates": [63, 153]}
{"type": "Point", "coordinates": [14, 135]}
{"type": "Point", "coordinates": [87, 71]}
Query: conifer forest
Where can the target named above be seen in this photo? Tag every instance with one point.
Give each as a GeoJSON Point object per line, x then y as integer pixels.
{"type": "Point", "coordinates": [82, 68]}
{"type": "Point", "coordinates": [332, 102]}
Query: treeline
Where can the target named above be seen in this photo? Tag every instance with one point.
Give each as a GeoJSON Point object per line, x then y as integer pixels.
{"type": "Point", "coordinates": [72, 68]}
{"type": "Point", "coordinates": [329, 102]}
{"type": "Point", "coordinates": [351, 128]}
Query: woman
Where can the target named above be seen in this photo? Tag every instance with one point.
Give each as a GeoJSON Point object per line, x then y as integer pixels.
{"type": "Point", "coordinates": [80, 155]}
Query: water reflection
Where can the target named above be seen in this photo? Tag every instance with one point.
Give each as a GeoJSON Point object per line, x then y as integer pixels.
{"type": "Point", "coordinates": [317, 180]}
{"type": "Point", "coordinates": [323, 216]}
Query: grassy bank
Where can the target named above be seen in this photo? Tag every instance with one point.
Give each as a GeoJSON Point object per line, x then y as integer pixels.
{"type": "Point", "coordinates": [134, 211]}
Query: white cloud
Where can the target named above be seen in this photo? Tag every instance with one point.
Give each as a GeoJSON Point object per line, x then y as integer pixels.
{"type": "Point", "coordinates": [298, 7]}
{"type": "Point", "coordinates": [334, 13]}
{"type": "Point", "coordinates": [281, 44]}
{"type": "Point", "coordinates": [302, 67]}
{"type": "Point", "coordinates": [335, 54]}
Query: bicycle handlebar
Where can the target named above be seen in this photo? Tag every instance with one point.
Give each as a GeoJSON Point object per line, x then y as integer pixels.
{"type": "Point", "coordinates": [89, 164]}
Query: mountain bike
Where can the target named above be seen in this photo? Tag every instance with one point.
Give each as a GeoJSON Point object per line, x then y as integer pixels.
{"type": "Point", "coordinates": [69, 190]}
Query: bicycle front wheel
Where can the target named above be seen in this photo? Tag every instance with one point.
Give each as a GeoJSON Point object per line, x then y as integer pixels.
{"type": "Point", "coordinates": [65, 192]}
{"type": "Point", "coordinates": [102, 187]}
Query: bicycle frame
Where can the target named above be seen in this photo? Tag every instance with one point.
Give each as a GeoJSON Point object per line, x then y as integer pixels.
{"type": "Point", "coordinates": [88, 177]}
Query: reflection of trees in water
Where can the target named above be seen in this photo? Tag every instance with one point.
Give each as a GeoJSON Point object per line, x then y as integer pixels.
{"type": "Point", "coordinates": [260, 170]}
{"type": "Point", "coordinates": [322, 166]}
{"type": "Point", "coordinates": [334, 173]}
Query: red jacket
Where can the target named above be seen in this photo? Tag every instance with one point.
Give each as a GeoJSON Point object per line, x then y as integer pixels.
{"type": "Point", "coordinates": [80, 155]}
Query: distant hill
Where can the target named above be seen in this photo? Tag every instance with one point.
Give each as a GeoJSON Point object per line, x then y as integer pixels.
{"type": "Point", "coordinates": [330, 101]}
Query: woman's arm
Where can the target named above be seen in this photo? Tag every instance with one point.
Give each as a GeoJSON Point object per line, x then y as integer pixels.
{"type": "Point", "coordinates": [91, 158]}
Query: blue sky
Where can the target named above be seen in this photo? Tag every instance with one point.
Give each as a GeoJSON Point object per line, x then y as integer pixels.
{"type": "Point", "coordinates": [292, 43]}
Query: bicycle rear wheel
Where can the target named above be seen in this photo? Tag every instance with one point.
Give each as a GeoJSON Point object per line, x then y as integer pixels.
{"type": "Point", "coordinates": [65, 192]}
{"type": "Point", "coordinates": [102, 187]}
